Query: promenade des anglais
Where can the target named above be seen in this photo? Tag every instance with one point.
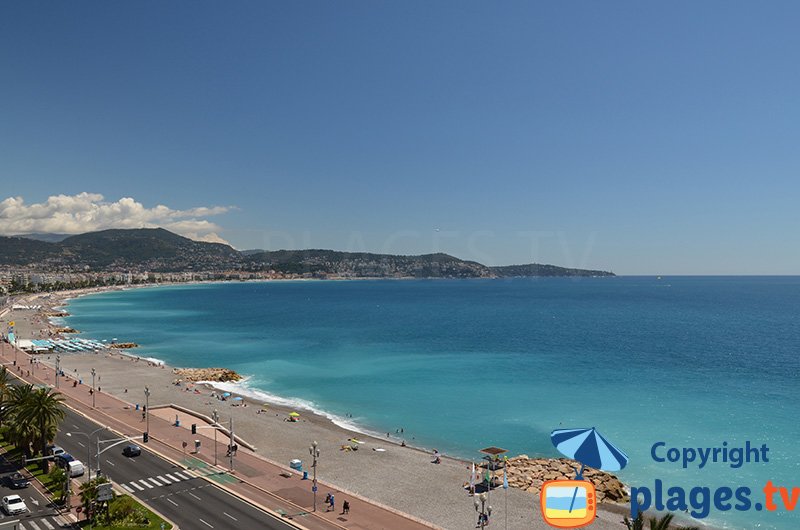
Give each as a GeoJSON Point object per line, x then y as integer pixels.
{"type": "Point", "coordinates": [399, 266]}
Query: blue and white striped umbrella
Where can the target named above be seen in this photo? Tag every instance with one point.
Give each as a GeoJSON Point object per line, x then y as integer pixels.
{"type": "Point", "coordinates": [589, 448]}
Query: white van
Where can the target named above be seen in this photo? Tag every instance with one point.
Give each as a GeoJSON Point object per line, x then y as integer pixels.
{"type": "Point", "coordinates": [74, 468]}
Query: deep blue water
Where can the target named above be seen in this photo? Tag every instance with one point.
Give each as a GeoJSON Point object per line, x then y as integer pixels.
{"type": "Point", "coordinates": [461, 365]}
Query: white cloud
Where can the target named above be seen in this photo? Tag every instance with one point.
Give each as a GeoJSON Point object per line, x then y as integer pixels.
{"type": "Point", "coordinates": [89, 212]}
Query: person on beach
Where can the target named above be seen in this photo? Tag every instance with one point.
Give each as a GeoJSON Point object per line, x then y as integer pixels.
{"type": "Point", "coordinates": [436, 459]}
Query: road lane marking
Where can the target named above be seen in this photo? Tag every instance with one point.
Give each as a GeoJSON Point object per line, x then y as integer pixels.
{"type": "Point", "coordinates": [112, 464]}
{"type": "Point", "coordinates": [162, 479]}
{"type": "Point", "coordinates": [205, 523]}
{"type": "Point", "coordinates": [229, 515]}
{"type": "Point", "coordinates": [174, 479]}
{"type": "Point", "coordinates": [81, 444]}
{"type": "Point", "coordinates": [75, 426]}
{"type": "Point", "coordinates": [127, 488]}
{"type": "Point", "coordinates": [173, 502]}
{"type": "Point", "coordinates": [193, 495]}
{"type": "Point", "coordinates": [143, 483]}
{"type": "Point", "coordinates": [138, 487]}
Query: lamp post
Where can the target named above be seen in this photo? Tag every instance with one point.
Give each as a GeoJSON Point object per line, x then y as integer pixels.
{"type": "Point", "coordinates": [483, 509]}
{"type": "Point", "coordinates": [215, 415]}
{"type": "Point", "coordinates": [232, 446]}
{"type": "Point", "coordinates": [147, 410]}
{"type": "Point", "coordinates": [94, 372]}
{"type": "Point", "coordinates": [314, 452]}
{"type": "Point", "coordinates": [89, 450]}
{"type": "Point", "coordinates": [58, 368]}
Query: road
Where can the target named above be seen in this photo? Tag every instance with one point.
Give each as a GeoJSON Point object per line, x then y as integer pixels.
{"type": "Point", "coordinates": [41, 514]}
{"type": "Point", "coordinates": [182, 496]}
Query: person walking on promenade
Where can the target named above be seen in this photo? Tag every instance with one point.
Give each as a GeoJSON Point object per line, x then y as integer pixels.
{"type": "Point", "coordinates": [345, 507]}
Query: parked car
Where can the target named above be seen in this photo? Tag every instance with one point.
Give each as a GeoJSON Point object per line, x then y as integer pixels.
{"type": "Point", "coordinates": [13, 504]}
{"type": "Point", "coordinates": [74, 468]}
{"type": "Point", "coordinates": [63, 459]}
{"type": "Point", "coordinates": [132, 450]}
{"type": "Point", "coordinates": [55, 450]}
{"type": "Point", "coordinates": [17, 481]}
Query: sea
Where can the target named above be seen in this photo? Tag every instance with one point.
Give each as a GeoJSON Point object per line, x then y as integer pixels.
{"type": "Point", "coordinates": [675, 363]}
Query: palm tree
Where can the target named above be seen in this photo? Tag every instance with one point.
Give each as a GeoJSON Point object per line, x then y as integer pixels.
{"type": "Point", "coordinates": [89, 495]}
{"type": "Point", "coordinates": [636, 524]}
{"type": "Point", "coordinates": [4, 386]}
{"type": "Point", "coordinates": [22, 432]}
{"type": "Point", "coordinates": [44, 410]}
{"type": "Point", "coordinates": [665, 522]}
{"type": "Point", "coordinates": [656, 523]}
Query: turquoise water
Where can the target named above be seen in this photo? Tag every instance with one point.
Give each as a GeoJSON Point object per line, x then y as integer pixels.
{"type": "Point", "coordinates": [461, 365]}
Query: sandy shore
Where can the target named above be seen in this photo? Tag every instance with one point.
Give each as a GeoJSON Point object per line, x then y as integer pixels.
{"type": "Point", "coordinates": [401, 477]}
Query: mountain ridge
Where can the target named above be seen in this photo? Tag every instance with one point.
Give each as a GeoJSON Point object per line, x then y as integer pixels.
{"type": "Point", "coordinates": [159, 250]}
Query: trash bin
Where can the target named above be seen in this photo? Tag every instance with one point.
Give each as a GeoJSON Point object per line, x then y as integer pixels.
{"type": "Point", "coordinates": [137, 406]}
{"type": "Point", "coordinates": [305, 475]}
{"type": "Point", "coordinates": [296, 464]}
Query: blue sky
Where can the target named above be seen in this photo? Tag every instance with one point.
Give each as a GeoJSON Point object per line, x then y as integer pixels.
{"type": "Point", "coordinates": [637, 137]}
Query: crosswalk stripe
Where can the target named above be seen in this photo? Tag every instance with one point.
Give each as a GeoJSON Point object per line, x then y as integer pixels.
{"type": "Point", "coordinates": [154, 481]}
{"type": "Point", "coordinates": [173, 477]}
{"type": "Point", "coordinates": [127, 488]}
{"type": "Point", "coordinates": [149, 486]}
{"type": "Point", "coordinates": [138, 487]}
{"type": "Point", "coordinates": [47, 524]}
{"type": "Point", "coordinates": [184, 477]}
{"type": "Point", "coordinates": [34, 525]}
{"type": "Point", "coordinates": [164, 479]}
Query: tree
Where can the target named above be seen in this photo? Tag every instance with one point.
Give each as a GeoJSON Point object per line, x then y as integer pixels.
{"type": "Point", "coordinates": [58, 478]}
{"type": "Point", "coordinates": [22, 432]}
{"type": "Point", "coordinates": [664, 523]}
{"type": "Point", "coordinates": [4, 387]}
{"type": "Point", "coordinates": [656, 523]}
{"type": "Point", "coordinates": [636, 524]}
{"type": "Point", "coordinates": [89, 494]}
{"type": "Point", "coordinates": [45, 410]}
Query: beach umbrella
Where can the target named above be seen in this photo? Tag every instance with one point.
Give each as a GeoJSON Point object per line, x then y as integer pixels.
{"type": "Point", "coordinates": [226, 394]}
{"type": "Point", "coordinates": [589, 448]}
{"type": "Point", "coordinates": [264, 405]}
{"type": "Point", "coordinates": [237, 398]}
{"type": "Point", "coordinates": [294, 414]}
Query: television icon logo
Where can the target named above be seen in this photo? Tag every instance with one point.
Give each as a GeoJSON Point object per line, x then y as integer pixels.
{"type": "Point", "coordinates": [568, 503]}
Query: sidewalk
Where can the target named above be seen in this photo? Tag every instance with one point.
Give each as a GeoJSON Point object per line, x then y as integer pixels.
{"type": "Point", "coordinates": [255, 480]}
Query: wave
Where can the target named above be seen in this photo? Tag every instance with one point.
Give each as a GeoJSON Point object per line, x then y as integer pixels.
{"type": "Point", "coordinates": [244, 389]}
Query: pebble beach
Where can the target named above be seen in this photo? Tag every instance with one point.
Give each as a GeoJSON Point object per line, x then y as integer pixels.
{"type": "Point", "coordinates": [402, 477]}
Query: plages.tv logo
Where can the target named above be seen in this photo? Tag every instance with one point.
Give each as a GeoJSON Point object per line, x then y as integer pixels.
{"type": "Point", "coordinates": [573, 503]}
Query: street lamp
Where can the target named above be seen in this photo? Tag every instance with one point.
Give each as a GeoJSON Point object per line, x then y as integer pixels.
{"type": "Point", "coordinates": [94, 372]}
{"type": "Point", "coordinates": [89, 449]}
{"type": "Point", "coordinates": [215, 415]}
{"type": "Point", "coordinates": [483, 509]}
{"type": "Point", "coordinates": [314, 452]}
{"type": "Point", "coordinates": [147, 410]}
{"type": "Point", "coordinates": [58, 368]}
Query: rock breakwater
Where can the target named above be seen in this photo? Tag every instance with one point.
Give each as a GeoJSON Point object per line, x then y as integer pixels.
{"type": "Point", "coordinates": [219, 375]}
{"type": "Point", "coordinates": [530, 473]}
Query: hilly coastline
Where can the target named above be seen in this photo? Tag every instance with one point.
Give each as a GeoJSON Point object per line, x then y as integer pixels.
{"type": "Point", "coordinates": [159, 250]}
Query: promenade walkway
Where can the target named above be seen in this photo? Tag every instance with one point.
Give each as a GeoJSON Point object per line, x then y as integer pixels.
{"type": "Point", "coordinates": [255, 480]}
